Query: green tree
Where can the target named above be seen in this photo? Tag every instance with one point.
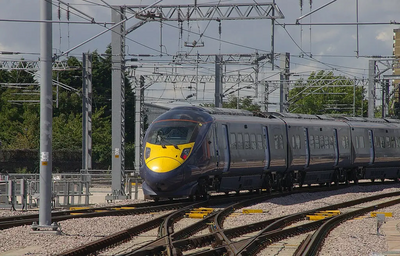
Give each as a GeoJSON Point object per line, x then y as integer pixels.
{"type": "Point", "coordinates": [325, 93]}
{"type": "Point", "coordinates": [245, 103]}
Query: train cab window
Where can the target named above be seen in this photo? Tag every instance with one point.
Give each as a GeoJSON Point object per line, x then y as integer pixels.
{"type": "Point", "coordinates": [246, 141]}
{"type": "Point", "coordinates": [312, 145]}
{"type": "Point", "coordinates": [253, 141]}
{"type": "Point", "coordinates": [260, 142]}
{"type": "Point", "coordinates": [233, 141]}
{"type": "Point", "coordinates": [239, 141]}
{"type": "Point", "coordinates": [173, 132]}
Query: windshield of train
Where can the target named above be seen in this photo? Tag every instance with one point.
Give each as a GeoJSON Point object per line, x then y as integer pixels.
{"type": "Point", "coordinates": [173, 132]}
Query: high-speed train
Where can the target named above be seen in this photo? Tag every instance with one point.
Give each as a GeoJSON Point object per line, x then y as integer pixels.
{"type": "Point", "coordinates": [192, 151]}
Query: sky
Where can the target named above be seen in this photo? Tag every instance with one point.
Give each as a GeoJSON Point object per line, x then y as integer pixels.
{"type": "Point", "coordinates": [329, 47]}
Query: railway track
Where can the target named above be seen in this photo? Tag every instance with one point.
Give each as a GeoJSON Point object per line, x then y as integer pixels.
{"type": "Point", "coordinates": [128, 209]}
{"type": "Point", "coordinates": [220, 240]}
{"type": "Point", "coordinates": [173, 243]}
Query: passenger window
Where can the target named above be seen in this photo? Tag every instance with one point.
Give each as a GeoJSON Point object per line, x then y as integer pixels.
{"type": "Point", "coordinates": [317, 142]}
{"type": "Point", "coordinates": [293, 142]}
{"type": "Point", "coordinates": [239, 141]}
{"type": "Point", "coordinates": [331, 142]}
{"type": "Point", "coordinates": [362, 144]}
{"type": "Point", "coordinates": [377, 142]}
{"type": "Point", "coordinates": [260, 142]}
{"type": "Point", "coordinates": [321, 142]}
{"type": "Point", "coordinates": [246, 141]}
{"type": "Point", "coordinates": [397, 142]}
{"type": "Point", "coordinates": [326, 138]}
{"type": "Point", "coordinates": [280, 142]}
{"type": "Point", "coordinates": [253, 141]}
{"type": "Point", "coordinates": [382, 142]}
{"type": "Point", "coordinates": [345, 142]}
{"type": "Point", "coordinates": [387, 142]}
{"type": "Point", "coordinates": [278, 139]}
{"type": "Point", "coordinates": [312, 142]}
{"type": "Point", "coordinates": [233, 141]}
{"type": "Point", "coordinates": [298, 142]}
{"type": "Point", "coordinates": [357, 142]}
{"type": "Point", "coordinates": [392, 142]}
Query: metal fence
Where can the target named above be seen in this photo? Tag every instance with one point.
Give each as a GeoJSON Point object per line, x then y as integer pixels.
{"type": "Point", "coordinates": [22, 191]}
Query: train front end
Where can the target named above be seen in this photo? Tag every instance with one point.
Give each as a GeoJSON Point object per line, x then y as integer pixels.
{"type": "Point", "coordinates": [168, 149]}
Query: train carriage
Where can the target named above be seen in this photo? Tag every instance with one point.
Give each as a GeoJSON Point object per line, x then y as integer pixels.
{"type": "Point", "coordinates": [192, 151]}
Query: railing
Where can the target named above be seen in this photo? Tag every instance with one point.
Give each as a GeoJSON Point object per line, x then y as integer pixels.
{"type": "Point", "coordinates": [23, 190]}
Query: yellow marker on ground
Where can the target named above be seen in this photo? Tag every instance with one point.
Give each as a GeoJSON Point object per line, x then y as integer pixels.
{"type": "Point", "coordinates": [387, 214]}
{"type": "Point", "coordinates": [315, 217]}
{"type": "Point", "coordinates": [78, 208]}
{"type": "Point", "coordinates": [196, 215]}
{"type": "Point", "coordinates": [247, 211]}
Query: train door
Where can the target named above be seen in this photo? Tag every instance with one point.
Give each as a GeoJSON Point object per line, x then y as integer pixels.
{"type": "Point", "coordinates": [371, 147]}
{"type": "Point", "coordinates": [216, 147]}
{"type": "Point", "coordinates": [336, 146]}
{"type": "Point", "coordinates": [307, 147]}
{"type": "Point", "coordinates": [225, 145]}
{"type": "Point", "coordinates": [267, 151]}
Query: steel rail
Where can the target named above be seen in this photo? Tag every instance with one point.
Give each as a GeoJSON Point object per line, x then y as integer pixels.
{"type": "Point", "coordinates": [314, 242]}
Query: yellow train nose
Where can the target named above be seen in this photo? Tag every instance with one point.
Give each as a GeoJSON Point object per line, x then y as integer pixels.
{"type": "Point", "coordinates": [163, 164]}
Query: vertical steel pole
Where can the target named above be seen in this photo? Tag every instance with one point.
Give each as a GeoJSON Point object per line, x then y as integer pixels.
{"type": "Point", "coordinates": [138, 126]}
{"type": "Point", "coordinates": [273, 36]}
{"type": "Point", "coordinates": [87, 112]}
{"type": "Point", "coordinates": [46, 112]}
{"type": "Point", "coordinates": [354, 97]}
{"type": "Point", "coordinates": [218, 81]}
{"type": "Point", "coordinates": [118, 104]}
{"type": "Point", "coordinates": [371, 88]}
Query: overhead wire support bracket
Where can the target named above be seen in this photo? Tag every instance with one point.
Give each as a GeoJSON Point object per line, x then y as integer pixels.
{"type": "Point", "coordinates": [305, 15]}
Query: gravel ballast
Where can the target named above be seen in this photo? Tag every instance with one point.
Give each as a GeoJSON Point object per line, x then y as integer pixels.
{"type": "Point", "coordinates": [355, 237]}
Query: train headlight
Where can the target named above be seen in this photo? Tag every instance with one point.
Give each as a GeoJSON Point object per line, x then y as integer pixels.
{"type": "Point", "coordinates": [185, 153]}
{"type": "Point", "coordinates": [147, 153]}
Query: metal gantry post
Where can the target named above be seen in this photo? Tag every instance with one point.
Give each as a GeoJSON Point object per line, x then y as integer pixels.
{"type": "Point", "coordinates": [87, 112]}
{"type": "Point", "coordinates": [46, 111]}
{"type": "Point", "coordinates": [371, 88]}
{"type": "Point", "coordinates": [218, 81]}
{"type": "Point", "coordinates": [118, 104]}
{"type": "Point", "coordinates": [284, 82]}
{"type": "Point", "coordinates": [139, 128]}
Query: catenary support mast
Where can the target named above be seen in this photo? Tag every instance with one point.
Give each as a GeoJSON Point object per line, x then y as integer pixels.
{"type": "Point", "coordinates": [46, 111]}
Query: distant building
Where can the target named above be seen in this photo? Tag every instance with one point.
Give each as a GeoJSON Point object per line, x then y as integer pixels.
{"type": "Point", "coordinates": [396, 66]}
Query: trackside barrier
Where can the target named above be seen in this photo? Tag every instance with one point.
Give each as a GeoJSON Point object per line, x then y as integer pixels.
{"type": "Point", "coordinates": [13, 194]}
{"type": "Point", "coordinates": [22, 191]}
